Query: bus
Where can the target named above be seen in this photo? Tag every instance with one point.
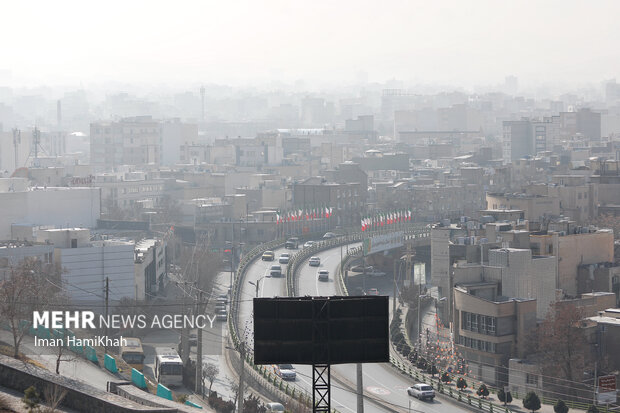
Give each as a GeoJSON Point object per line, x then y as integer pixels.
{"type": "Point", "coordinates": [168, 367]}
{"type": "Point", "coordinates": [132, 353]}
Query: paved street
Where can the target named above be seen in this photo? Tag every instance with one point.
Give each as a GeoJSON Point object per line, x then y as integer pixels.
{"type": "Point", "coordinates": [384, 389]}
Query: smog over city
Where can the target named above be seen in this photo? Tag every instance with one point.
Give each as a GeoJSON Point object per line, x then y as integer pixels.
{"type": "Point", "coordinates": [278, 206]}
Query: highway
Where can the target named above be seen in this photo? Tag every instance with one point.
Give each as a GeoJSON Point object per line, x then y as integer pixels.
{"type": "Point", "coordinates": [384, 388]}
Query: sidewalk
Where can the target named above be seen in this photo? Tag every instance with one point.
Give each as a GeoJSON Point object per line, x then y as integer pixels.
{"type": "Point", "coordinates": [441, 336]}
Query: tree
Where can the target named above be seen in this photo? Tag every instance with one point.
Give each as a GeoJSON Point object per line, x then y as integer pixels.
{"type": "Point", "coordinates": [482, 391]}
{"type": "Point", "coordinates": [31, 399]}
{"type": "Point", "coordinates": [560, 407]}
{"type": "Point", "coordinates": [592, 409]}
{"type": "Point", "coordinates": [445, 377]}
{"type": "Point", "coordinates": [562, 343]}
{"type": "Point", "coordinates": [504, 397]}
{"type": "Point", "coordinates": [253, 405]}
{"type": "Point", "coordinates": [531, 401]}
{"type": "Point", "coordinates": [210, 372]}
{"type": "Point", "coordinates": [27, 287]}
{"type": "Point", "coordinates": [461, 383]}
{"type": "Point", "coordinates": [54, 395]}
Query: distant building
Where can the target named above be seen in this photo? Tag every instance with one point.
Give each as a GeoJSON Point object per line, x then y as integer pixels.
{"type": "Point", "coordinates": [131, 141]}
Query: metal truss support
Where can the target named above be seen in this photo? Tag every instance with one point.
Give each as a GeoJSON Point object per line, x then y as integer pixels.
{"type": "Point", "coordinates": [321, 400]}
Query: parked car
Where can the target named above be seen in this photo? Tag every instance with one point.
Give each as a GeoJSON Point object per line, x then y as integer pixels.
{"type": "Point", "coordinates": [373, 291]}
{"type": "Point", "coordinates": [329, 235]}
{"type": "Point", "coordinates": [284, 258]}
{"type": "Point", "coordinates": [421, 391]}
{"type": "Point", "coordinates": [221, 315]}
{"type": "Point", "coordinates": [323, 275]}
{"type": "Point", "coordinates": [308, 244]}
{"type": "Point", "coordinates": [314, 261]}
{"type": "Point", "coordinates": [274, 407]}
{"type": "Point", "coordinates": [285, 371]}
{"type": "Point", "coordinates": [292, 243]}
{"type": "Point", "coordinates": [193, 338]}
{"type": "Point", "coordinates": [268, 256]}
{"type": "Point", "coordinates": [275, 270]}
{"type": "Point", "coordinates": [360, 268]}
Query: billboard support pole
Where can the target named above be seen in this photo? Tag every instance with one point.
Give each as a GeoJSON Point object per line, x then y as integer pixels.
{"type": "Point", "coordinates": [321, 399]}
{"type": "Point", "coordinates": [360, 389]}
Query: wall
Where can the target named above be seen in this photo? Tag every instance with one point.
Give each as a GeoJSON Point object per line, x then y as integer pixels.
{"type": "Point", "coordinates": [80, 396]}
{"type": "Point", "coordinates": [61, 207]}
{"type": "Point", "coordinates": [87, 269]}
{"type": "Point", "coordinates": [579, 249]}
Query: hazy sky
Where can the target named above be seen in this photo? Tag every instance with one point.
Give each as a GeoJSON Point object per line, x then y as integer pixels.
{"type": "Point", "coordinates": [455, 42]}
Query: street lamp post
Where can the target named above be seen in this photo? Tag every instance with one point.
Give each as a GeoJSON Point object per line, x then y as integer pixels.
{"type": "Point", "coordinates": [256, 284]}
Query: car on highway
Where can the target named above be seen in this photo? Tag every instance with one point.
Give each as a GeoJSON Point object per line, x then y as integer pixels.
{"type": "Point", "coordinates": [285, 371]}
{"type": "Point", "coordinates": [329, 235]}
{"type": "Point", "coordinates": [421, 391]}
{"type": "Point", "coordinates": [314, 261]}
{"type": "Point", "coordinates": [370, 270]}
{"type": "Point", "coordinates": [308, 244]}
{"type": "Point", "coordinates": [284, 258]}
{"type": "Point", "coordinates": [323, 275]}
{"type": "Point", "coordinates": [373, 291]}
{"type": "Point", "coordinates": [268, 256]}
{"type": "Point", "coordinates": [274, 407]}
{"type": "Point", "coordinates": [275, 270]}
{"type": "Point", "coordinates": [292, 243]}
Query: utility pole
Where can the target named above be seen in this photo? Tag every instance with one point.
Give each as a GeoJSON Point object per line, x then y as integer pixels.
{"type": "Point", "coordinates": [199, 388]}
{"type": "Point", "coordinates": [241, 377]}
{"type": "Point", "coordinates": [107, 296]}
{"type": "Point", "coordinates": [360, 389]}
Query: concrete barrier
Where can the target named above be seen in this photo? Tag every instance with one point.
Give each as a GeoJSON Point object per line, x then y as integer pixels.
{"type": "Point", "coordinates": [17, 375]}
{"type": "Point", "coordinates": [164, 392]}
{"type": "Point", "coordinates": [138, 379]}
{"type": "Point", "coordinates": [110, 364]}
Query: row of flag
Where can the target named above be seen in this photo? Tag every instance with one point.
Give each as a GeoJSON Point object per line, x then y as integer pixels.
{"type": "Point", "coordinates": [386, 218]}
{"type": "Point", "coordinates": [304, 214]}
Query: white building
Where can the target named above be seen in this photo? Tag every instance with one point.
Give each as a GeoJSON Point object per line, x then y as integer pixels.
{"type": "Point", "coordinates": [56, 206]}
{"type": "Point", "coordinates": [150, 267]}
{"type": "Point", "coordinates": [86, 265]}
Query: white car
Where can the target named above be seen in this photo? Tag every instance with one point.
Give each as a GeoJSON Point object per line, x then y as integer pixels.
{"type": "Point", "coordinates": [275, 407]}
{"type": "Point", "coordinates": [308, 244]}
{"type": "Point", "coordinates": [421, 391]}
{"type": "Point", "coordinates": [285, 371]}
{"type": "Point", "coordinates": [314, 261]}
{"type": "Point", "coordinates": [284, 258]}
{"type": "Point", "coordinates": [323, 275]}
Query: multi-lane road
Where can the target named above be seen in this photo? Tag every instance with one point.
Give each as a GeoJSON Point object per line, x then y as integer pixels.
{"type": "Point", "coordinates": [384, 388]}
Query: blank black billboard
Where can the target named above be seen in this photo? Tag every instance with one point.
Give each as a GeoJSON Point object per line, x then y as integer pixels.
{"type": "Point", "coordinates": [321, 330]}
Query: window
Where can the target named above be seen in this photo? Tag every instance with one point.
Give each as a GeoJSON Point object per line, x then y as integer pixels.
{"type": "Point", "coordinates": [483, 324]}
{"type": "Point", "coordinates": [491, 325]}
{"type": "Point", "coordinates": [531, 379]}
{"type": "Point", "coordinates": [474, 322]}
{"type": "Point", "coordinates": [73, 242]}
{"type": "Point", "coordinates": [467, 321]}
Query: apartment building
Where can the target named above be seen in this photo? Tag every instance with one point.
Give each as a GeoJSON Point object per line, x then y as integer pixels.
{"type": "Point", "coordinates": [130, 141]}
